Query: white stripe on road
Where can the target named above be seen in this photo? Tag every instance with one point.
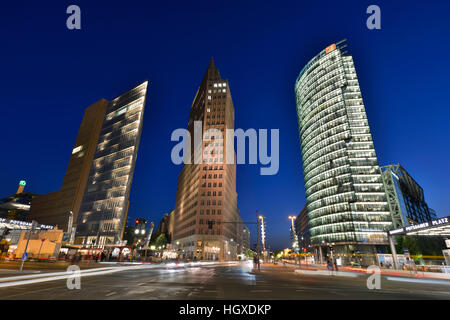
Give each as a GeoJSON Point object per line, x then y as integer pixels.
{"type": "Point", "coordinates": [65, 275]}
{"type": "Point", "coordinates": [327, 273]}
{"type": "Point", "coordinates": [43, 275]}
{"type": "Point", "coordinates": [427, 281]}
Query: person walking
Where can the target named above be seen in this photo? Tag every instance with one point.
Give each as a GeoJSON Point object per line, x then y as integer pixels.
{"type": "Point", "coordinates": [335, 266]}
{"type": "Point", "coordinates": [330, 266]}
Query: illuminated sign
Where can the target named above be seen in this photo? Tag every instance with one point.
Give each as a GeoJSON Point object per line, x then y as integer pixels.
{"type": "Point", "coordinates": [396, 231]}
{"type": "Point", "coordinates": [421, 226]}
{"type": "Point", "coordinates": [330, 48]}
{"type": "Point", "coordinates": [417, 226]}
{"type": "Point", "coordinates": [439, 221]}
{"type": "Point", "coordinates": [22, 183]}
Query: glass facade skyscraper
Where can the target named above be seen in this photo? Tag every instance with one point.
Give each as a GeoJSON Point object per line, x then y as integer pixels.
{"type": "Point", "coordinates": [104, 207]}
{"type": "Point", "coordinates": [346, 201]}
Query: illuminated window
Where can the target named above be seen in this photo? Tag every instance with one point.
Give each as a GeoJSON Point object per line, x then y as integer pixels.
{"type": "Point", "coordinates": [77, 149]}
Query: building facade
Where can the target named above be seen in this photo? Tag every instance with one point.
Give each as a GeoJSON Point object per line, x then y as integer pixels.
{"type": "Point", "coordinates": [166, 226]}
{"type": "Point", "coordinates": [207, 222]}
{"type": "Point", "coordinates": [405, 197]}
{"type": "Point", "coordinates": [346, 202]}
{"type": "Point", "coordinates": [104, 209]}
{"type": "Point", "coordinates": [96, 186]}
{"type": "Point", "coordinates": [55, 208]}
{"type": "Point", "coordinates": [302, 229]}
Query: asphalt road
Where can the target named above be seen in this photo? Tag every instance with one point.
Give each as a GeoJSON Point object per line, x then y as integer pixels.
{"type": "Point", "coordinates": [223, 281]}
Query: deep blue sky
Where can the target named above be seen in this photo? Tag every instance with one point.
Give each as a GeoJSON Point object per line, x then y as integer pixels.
{"type": "Point", "coordinates": [50, 74]}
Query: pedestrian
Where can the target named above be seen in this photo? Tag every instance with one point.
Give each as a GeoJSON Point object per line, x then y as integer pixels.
{"type": "Point", "coordinates": [335, 266]}
{"type": "Point", "coordinates": [255, 262]}
{"type": "Point", "coordinates": [330, 266]}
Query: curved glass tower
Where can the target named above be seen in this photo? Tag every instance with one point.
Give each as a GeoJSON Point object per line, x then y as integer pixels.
{"type": "Point", "coordinates": [345, 196]}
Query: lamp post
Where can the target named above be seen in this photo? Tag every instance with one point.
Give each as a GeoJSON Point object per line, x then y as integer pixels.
{"type": "Point", "coordinates": [24, 257]}
{"type": "Point", "coordinates": [295, 244]}
{"type": "Point", "coordinates": [294, 236]}
{"type": "Point", "coordinates": [70, 228]}
{"type": "Point", "coordinates": [263, 233]}
{"type": "Point", "coordinates": [42, 242]}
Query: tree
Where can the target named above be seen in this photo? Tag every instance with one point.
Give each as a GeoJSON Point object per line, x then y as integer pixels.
{"type": "Point", "coordinates": [249, 253]}
{"type": "Point", "coordinates": [161, 240]}
{"type": "Point", "coordinates": [431, 246]}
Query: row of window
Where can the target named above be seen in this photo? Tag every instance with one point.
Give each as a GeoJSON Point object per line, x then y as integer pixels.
{"type": "Point", "coordinates": [212, 212]}
{"type": "Point", "coordinates": [210, 202]}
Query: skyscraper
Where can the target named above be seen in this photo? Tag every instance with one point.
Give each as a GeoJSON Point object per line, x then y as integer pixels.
{"type": "Point", "coordinates": [55, 208]}
{"type": "Point", "coordinates": [346, 201]}
{"type": "Point", "coordinates": [104, 208]}
{"type": "Point", "coordinates": [98, 178]}
{"type": "Point", "coordinates": [207, 221]}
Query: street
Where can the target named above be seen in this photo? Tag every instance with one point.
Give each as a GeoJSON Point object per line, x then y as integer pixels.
{"type": "Point", "coordinates": [220, 281]}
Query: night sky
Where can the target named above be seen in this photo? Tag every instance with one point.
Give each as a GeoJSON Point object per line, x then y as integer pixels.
{"type": "Point", "coordinates": [50, 74]}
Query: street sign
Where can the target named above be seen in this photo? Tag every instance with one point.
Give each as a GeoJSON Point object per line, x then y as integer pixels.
{"type": "Point", "coordinates": [25, 256]}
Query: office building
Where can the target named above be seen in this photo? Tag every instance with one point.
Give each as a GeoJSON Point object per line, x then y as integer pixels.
{"type": "Point", "coordinates": [104, 209]}
{"type": "Point", "coordinates": [95, 190]}
{"type": "Point", "coordinates": [405, 197]}
{"type": "Point", "coordinates": [207, 221]}
{"type": "Point", "coordinates": [56, 208]}
{"type": "Point", "coordinates": [302, 229]}
{"type": "Point", "coordinates": [166, 226]}
{"type": "Point", "coordinates": [346, 202]}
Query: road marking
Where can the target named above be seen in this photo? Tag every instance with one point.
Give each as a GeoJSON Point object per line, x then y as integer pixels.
{"type": "Point", "coordinates": [110, 294]}
{"type": "Point", "coordinates": [327, 273]}
{"type": "Point", "coordinates": [260, 290]}
{"type": "Point", "coordinates": [427, 281]}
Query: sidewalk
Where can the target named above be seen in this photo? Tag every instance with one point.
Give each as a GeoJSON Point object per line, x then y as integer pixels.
{"type": "Point", "coordinates": [347, 271]}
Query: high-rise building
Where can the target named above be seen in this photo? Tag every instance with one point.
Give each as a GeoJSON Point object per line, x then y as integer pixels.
{"type": "Point", "coordinates": [207, 221]}
{"type": "Point", "coordinates": [56, 207]}
{"type": "Point", "coordinates": [166, 226]}
{"type": "Point", "coordinates": [346, 202]}
{"type": "Point", "coordinates": [405, 197]}
{"type": "Point", "coordinates": [302, 229]}
{"type": "Point", "coordinates": [97, 182]}
{"type": "Point", "coordinates": [104, 209]}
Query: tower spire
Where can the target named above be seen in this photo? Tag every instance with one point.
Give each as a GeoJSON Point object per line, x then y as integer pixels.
{"type": "Point", "coordinates": [212, 73]}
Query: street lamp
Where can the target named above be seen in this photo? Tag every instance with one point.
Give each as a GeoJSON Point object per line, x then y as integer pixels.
{"type": "Point", "coordinates": [295, 244]}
